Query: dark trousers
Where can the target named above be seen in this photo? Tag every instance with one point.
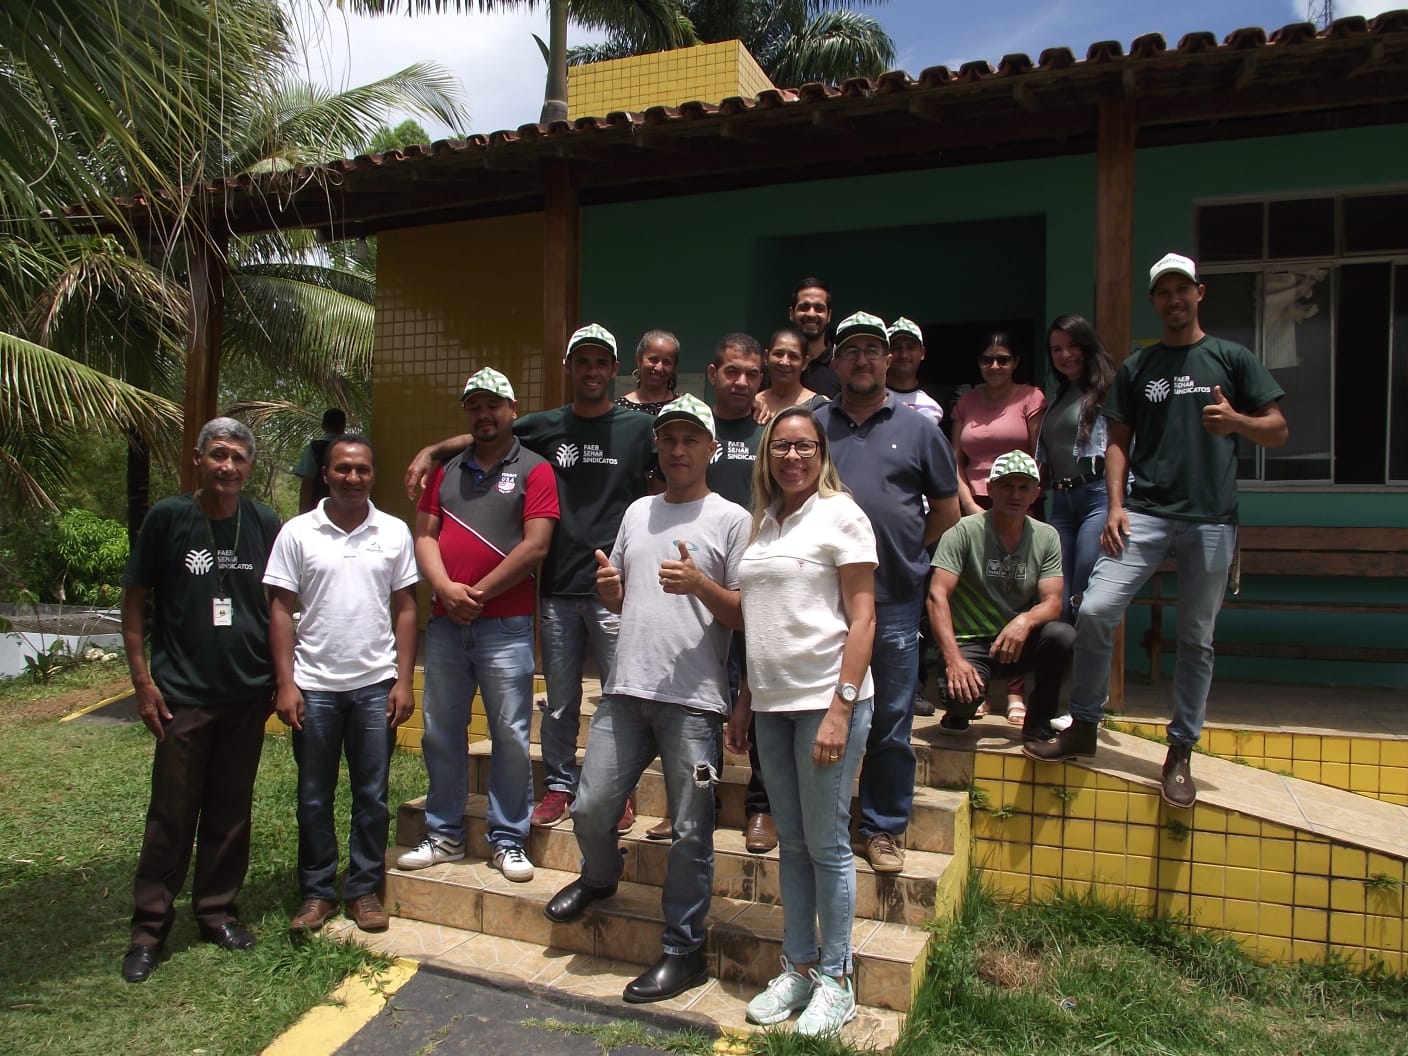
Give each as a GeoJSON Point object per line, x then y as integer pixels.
{"type": "Point", "coordinates": [202, 788]}
{"type": "Point", "coordinates": [1047, 653]}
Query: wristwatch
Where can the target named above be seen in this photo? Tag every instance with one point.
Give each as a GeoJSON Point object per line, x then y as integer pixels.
{"type": "Point", "coordinates": [848, 691]}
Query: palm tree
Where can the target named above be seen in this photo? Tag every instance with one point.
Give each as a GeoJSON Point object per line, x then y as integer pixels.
{"type": "Point", "coordinates": [794, 41]}
{"type": "Point", "coordinates": [659, 23]}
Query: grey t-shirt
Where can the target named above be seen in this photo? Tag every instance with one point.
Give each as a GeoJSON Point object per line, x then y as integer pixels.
{"type": "Point", "coordinates": [671, 648]}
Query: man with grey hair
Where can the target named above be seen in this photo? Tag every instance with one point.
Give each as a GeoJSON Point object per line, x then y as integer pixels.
{"type": "Point", "coordinates": [205, 696]}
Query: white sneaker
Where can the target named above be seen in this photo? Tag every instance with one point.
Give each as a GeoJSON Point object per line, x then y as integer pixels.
{"type": "Point", "coordinates": [785, 994]}
{"type": "Point", "coordinates": [432, 850]}
{"type": "Point", "coordinates": [832, 1006]}
{"type": "Point", "coordinates": [513, 863]}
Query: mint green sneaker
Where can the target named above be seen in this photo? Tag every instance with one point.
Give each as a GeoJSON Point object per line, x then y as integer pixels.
{"type": "Point", "coordinates": [832, 1006]}
{"type": "Point", "coordinates": [785, 994]}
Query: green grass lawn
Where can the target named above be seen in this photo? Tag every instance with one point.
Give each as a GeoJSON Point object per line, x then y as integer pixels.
{"type": "Point", "coordinates": [76, 797]}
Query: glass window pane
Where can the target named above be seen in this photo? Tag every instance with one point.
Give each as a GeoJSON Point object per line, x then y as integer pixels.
{"type": "Point", "coordinates": [1376, 224]}
{"type": "Point", "coordinates": [1301, 228]}
{"type": "Point", "coordinates": [1398, 385]}
{"type": "Point", "coordinates": [1230, 312]}
{"type": "Point", "coordinates": [1296, 342]}
{"type": "Point", "coordinates": [1230, 232]}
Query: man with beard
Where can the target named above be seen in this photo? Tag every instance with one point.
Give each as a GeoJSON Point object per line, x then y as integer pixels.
{"type": "Point", "coordinates": [810, 312]}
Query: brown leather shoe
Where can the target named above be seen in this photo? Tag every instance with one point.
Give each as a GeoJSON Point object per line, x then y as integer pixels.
{"type": "Point", "coordinates": [368, 913]}
{"type": "Point", "coordinates": [1177, 788]}
{"type": "Point", "coordinates": [760, 835]}
{"type": "Point", "coordinates": [312, 915]}
{"type": "Point", "coordinates": [662, 831]}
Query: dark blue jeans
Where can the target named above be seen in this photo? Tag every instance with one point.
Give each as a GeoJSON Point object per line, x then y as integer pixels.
{"type": "Point", "coordinates": [887, 774]}
{"type": "Point", "coordinates": [353, 721]}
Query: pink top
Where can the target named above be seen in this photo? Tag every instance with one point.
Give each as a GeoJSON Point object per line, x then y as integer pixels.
{"type": "Point", "coordinates": [986, 430]}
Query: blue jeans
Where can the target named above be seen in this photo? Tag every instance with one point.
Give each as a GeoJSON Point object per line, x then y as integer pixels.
{"type": "Point", "coordinates": [1202, 554]}
{"type": "Point", "coordinates": [354, 721]}
{"type": "Point", "coordinates": [566, 625]}
{"type": "Point", "coordinates": [887, 775]}
{"type": "Point", "coordinates": [626, 734]}
{"type": "Point", "coordinates": [495, 656]}
{"type": "Point", "coordinates": [811, 806]}
{"type": "Point", "coordinates": [1078, 516]}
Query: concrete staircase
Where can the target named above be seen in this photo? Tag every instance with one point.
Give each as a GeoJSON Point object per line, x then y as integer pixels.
{"type": "Point", "coordinates": [745, 922]}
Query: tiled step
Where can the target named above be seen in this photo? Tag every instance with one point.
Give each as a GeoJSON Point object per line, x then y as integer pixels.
{"type": "Point", "coordinates": [931, 826]}
{"type": "Point", "coordinates": [910, 897]}
{"type": "Point", "coordinates": [743, 939]}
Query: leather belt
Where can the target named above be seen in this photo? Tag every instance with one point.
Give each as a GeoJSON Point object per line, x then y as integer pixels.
{"type": "Point", "coordinates": [1076, 482]}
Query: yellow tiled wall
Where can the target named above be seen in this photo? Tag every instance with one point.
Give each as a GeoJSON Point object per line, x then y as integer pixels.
{"type": "Point", "coordinates": [1370, 766]}
{"type": "Point", "coordinates": [709, 73]}
{"type": "Point", "coordinates": [1284, 894]}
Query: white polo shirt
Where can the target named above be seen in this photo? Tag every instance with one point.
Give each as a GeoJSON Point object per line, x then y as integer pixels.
{"type": "Point", "coordinates": [344, 581]}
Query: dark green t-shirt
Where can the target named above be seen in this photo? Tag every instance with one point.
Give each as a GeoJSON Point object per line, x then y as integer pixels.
{"type": "Point", "coordinates": [187, 561]}
{"type": "Point", "coordinates": [1180, 470]}
{"type": "Point", "coordinates": [603, 465]}
{"type": "Point", "coordinates": [731, 471]}
{"type": "Point", "coordinates": [994, 584]}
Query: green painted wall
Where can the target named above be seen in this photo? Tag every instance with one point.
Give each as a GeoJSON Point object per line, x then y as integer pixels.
{"type": "Point", "coordinates": [1007, 240]}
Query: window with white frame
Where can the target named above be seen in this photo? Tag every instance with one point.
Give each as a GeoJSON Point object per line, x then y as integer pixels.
{"type": "Point", "coordinates": [1317, 288]}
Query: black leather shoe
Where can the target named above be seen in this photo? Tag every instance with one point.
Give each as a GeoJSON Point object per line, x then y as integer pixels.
{"type": "Point", "coordinates": [572, 901]}
{"type": "Point", "coordinates": [672, 974]}
{"type": "Point", "coordinates": [232, 935]}
{"type": "Point", "coordinates": [138, 962]}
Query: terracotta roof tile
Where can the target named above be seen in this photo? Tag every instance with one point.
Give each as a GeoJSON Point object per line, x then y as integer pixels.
{"type": "Point", "coordinates": [1245, 39]}
{"type": "Point", "coordinates": [1148, 46]}
{"type": "Point", "coordinates": [1057, 59]}
{"type": "Point", "coordinates": [1349, 26]}
{"type": "Point", "coordinates": [1014, 65]}
{"type": "Point", "coordinates": [1196, 42]}
{"type": "Point", "coordinates": [1104, 51]}
{"type": "Point", "coordinates": [934, 76]}
{"type": "Point", "coordinates": [1390, 21]}
{"type": "Point", "coordinates": [1294, 33]}
{"type": "Point", "coordinates": [974, 71]}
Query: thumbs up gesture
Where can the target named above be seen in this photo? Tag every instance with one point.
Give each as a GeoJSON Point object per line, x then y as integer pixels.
{"type": "Point", "coordinates": [1219, 416]}
{"type": "Point", "coordinates": [682, 576]}
{"type": "Point", "coordinates": [608, 582]}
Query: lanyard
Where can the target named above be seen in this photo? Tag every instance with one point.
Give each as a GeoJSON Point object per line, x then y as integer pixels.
{"type": "Point", "coordinates": [215, 549]}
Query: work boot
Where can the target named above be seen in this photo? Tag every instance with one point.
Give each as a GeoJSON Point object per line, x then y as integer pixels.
{"type": "Point", "coordinates": [1176, 787]}
{"type": "Point", "coordinates": [1076, 742]}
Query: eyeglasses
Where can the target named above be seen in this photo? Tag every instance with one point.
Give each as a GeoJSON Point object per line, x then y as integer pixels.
{"type": "Point", "coordinates": [1000, 361]}
{"type": "Point", "coordinates": [870, 355]}
{"type": "Point", "coordinates": [804, 448]}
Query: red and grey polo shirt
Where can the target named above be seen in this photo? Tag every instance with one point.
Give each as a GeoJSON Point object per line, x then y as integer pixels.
{"type": "Point", "coordinates": [482, 515]}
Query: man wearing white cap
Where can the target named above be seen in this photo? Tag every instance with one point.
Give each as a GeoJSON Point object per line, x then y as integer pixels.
{"type": "Point", "coordinates": [899, 468]}
{"type": "Point", "coordinates": [483, 524]}
{"type": "Point", "coordinates": [1175, 411]}
{"type": "Point", "coordinates": [603, 456]}
{"type": "Point", "coordinates": [906, 355]}
{"type": "Point", "coordinates": [673, 577]}
{"type": "Point", "coordinates": [995, 601]}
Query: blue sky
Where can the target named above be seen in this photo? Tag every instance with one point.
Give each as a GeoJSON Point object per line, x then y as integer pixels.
{"type": "Point", "coordinates": [498, 64]}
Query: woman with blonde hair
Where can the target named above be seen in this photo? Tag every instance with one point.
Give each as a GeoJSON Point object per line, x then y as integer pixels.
{"type": "Point", "coordinates": [808, 586]}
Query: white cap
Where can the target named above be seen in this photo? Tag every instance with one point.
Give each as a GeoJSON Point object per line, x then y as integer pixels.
{"type": "Point", "coordinates": [1175, 262]}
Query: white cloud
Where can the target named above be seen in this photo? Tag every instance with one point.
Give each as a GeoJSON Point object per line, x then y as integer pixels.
{"type": "Point", "coordinates": [494, 56]}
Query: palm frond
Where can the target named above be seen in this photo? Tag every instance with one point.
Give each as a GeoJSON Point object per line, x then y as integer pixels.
{"type": "Point", "coordinates": [834, 46]}
{"type": "Point", "coordinates": [299, 327]}
{"type": "Point", "coordinates": [656, 25]}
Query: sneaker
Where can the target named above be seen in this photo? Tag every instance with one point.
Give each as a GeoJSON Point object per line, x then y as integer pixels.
{"type": "Point", "coordinates": [432, 850]}
{"type": "Point", "coordinates": [883, 854]}
{"type": "Point", "coordinates": [513, 863]}
{"type": "Point", "coordinates": [832, 1006]}
{"type": "Point", "coordinates": [1177, 788]}
{"type": "Point", "coordinates": [1077, 741]}
{"type": "Point", "coordinates": [785, 994]}
{"type": "Point", "coordinates": [552, 809]}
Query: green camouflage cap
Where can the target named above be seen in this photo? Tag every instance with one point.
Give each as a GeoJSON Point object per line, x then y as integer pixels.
{"type": "Point", "coordinates": [487, 379]}
{"type": "Point", "coordinates": [905, 326]}
{"type": "Point", "coordinates": [687, 408]}
{"type": "Point", "coordinates": [591, 334]}
{"type": "Point", "coordinates": [859, 324]}
{"type": "Point", "coordinates": [1014, 463]}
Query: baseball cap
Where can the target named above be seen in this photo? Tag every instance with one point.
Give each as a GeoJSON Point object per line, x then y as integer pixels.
{"type": "Point", "coordinates": [688, 408]}
{"type": "Point", "coordinates": [1013, 463]}
{"type": "Point", "coordinates": [858, 325]}
{"type": "Point", "coordinates": [1175, 262]}
{"type": "Point", "coordinates": [905, 326]}
{"type": "Point", "coordinates": [591, 334]}
{"type": "Point", "coordinates": [487, 379]}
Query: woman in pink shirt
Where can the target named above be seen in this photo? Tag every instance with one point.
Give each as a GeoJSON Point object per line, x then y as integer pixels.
{"type": "Point", "coordinates": [990, 420]}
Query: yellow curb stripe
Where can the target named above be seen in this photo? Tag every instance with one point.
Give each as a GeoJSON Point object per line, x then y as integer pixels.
{"type": "Point", "coordinates": [325, 1028]}
{"type": "Point", "coordinates": [94, 707]}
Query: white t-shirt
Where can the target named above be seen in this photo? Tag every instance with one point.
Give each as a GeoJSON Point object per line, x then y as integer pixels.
{"type": "Point", "coordinates": [344, 580]}
{"type": "Point", "coordinates": [793, 616]}
{"type": "Point", "coordinates": [670, 647]}
{"type": "Point", "coordinates": [922, 402]}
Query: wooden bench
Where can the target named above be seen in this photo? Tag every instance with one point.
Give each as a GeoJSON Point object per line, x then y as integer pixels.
{"type": "Point", "coordinates": [1301, 552]}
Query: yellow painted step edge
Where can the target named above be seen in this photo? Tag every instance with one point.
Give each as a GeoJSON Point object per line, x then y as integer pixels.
{"type": "Point", "coordinates": [325, 1028]}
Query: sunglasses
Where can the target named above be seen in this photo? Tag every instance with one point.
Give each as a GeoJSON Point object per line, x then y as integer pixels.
{"type": "Point", "coordinates": [1001, 360]}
